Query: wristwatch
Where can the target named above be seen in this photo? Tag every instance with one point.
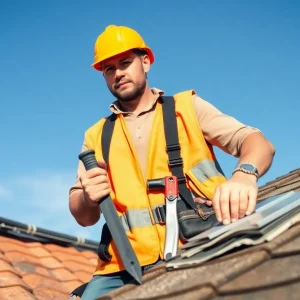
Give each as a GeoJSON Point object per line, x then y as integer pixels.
{"type": "Point", "coordinates": [247, 168]}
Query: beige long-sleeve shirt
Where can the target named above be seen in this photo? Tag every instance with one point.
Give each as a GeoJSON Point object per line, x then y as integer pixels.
{"type": "Point", "coordinates": [218, 129]}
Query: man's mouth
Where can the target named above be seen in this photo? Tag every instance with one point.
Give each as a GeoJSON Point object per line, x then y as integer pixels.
{"type": "Point", "coordinates": [121, 84]}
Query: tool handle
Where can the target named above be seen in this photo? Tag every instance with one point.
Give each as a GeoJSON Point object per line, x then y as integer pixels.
{"type": "Point", "coordinates": [155, 184]}
{"type": "Point", "coordinates": [88, 159]}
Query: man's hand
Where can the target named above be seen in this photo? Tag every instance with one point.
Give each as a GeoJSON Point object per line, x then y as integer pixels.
{"type": "Point", "coordinates": [235, 198]}
{"type": "Point", "coordinates": [95, 184]}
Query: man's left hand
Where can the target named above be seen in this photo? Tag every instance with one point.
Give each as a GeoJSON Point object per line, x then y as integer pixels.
{"type": "Point", "coordinates": [235, 198]}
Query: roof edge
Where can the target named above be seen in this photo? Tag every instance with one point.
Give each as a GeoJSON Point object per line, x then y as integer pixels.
{"type": "Point", "coordinates": [31, 232]}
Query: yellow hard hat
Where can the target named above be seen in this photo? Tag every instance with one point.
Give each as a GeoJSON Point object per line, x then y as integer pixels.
{"type": "Point", "coordinates": [115, 40]}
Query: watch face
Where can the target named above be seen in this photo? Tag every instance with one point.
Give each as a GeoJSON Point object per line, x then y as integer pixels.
{"type": "Point", "coordinates": [248, 167]}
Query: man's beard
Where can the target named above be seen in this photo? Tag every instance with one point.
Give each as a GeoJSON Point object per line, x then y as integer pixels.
{"type": "Point", "coordinates": [132, 95]}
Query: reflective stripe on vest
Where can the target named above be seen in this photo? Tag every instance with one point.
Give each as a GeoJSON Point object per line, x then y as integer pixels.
{"type": "Point", "coordinates": [141, 217]}
{"type": "Point", "coordinates": [206, 169]}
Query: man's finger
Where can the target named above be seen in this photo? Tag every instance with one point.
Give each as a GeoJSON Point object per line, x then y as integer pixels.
{"type": "Point", "coordinates": [199, 200]}
{"type": "Point", "coordinates": [216, 204]}
{"type": "Point", "coordinates": [243, 202]}
{"type": "Point", "coordinates": [97, 180]}
{"type": "Point", "coordinates": [224, 205]}
{"type": "Point", "coordinates": [252, 195]}
{"type": "Point", "coordinates": [234, 204]}
{"type": "Point", "coordinates": [102, 164]}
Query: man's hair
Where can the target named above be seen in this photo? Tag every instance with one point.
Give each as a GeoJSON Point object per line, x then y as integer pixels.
{"type": "Point", "coordinates": [139, 52]}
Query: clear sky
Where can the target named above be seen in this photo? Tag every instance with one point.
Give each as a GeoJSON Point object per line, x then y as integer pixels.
{"type": "Point", "coordinates": [242, 56]}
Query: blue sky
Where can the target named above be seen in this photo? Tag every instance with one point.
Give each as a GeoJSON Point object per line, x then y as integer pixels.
{"type": "Point", "coordinates": [242, 56]}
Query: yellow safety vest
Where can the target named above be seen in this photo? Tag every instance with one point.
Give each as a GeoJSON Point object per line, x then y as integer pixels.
{"type": "Point", "coordinates": [128, 186]}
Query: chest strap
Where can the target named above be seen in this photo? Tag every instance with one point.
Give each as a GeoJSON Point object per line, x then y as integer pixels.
{"type": "Point", "coordinates": [173, 148]}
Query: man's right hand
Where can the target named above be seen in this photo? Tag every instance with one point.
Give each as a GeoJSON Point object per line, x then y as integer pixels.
{"type": "Point", "coordinates": [95, 184]}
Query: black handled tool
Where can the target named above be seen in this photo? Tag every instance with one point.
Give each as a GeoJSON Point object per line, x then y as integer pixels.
{"type": "Point", "coordinates": [117, 231]}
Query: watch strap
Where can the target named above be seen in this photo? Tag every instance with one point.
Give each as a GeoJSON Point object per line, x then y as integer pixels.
{"type": "Point", "coordinates": [247, 168]}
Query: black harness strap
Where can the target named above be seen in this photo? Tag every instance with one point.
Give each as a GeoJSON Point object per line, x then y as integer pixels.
{"type": "Point", "coordinates": [173, 149]}
{"type": "Point", "coordinates": [107, 133]}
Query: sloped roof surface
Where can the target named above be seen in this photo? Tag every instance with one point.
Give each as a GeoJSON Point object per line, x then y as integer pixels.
{"type": "Point", "coordinates": [34, 270]}
{"type": "Point", "coordinates": [31, 270]}
{"type": "Point", "coordinates": [282, 184]}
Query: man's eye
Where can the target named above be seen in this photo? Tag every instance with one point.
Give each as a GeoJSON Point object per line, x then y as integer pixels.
{"type": "Point", "coordinates": [126, 62]}
{"type": "Point", "coordinates": [108, 69]}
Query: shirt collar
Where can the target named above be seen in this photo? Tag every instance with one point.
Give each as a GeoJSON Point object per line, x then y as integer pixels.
{"type": "Point", "coordinates": [116, 109]}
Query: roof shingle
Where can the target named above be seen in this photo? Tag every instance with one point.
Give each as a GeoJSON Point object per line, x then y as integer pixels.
{"type": "Point", "coordinates": [16, 292]}
{"type": "Point", "coordinates": [32, 270]}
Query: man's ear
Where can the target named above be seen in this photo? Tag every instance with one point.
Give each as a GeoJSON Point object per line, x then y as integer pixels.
{"type": "Point", "coordinates": [146, 63]}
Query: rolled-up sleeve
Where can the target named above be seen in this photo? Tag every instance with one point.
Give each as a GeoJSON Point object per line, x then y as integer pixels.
{"type": "Point", "coordinates": [219, 129]}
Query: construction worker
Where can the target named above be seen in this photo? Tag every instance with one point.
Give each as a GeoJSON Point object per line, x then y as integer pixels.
{"type": "Point", "coordinates": [137, 152]}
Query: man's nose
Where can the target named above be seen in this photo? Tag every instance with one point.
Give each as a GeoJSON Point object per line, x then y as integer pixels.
{"type": "Point", "coordinates": [119, 73]}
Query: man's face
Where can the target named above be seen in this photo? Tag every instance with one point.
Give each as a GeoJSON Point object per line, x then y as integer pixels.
{"type": "Point", "coordinates": [125, 75]}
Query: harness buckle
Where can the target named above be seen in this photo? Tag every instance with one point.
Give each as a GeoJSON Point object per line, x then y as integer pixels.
{"type": "Point", "coordinates": [159, 213]}
{"type": "Point", "coordinates": [175, 162]}
{"type": "Point", "coordinates": [173, 147]}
